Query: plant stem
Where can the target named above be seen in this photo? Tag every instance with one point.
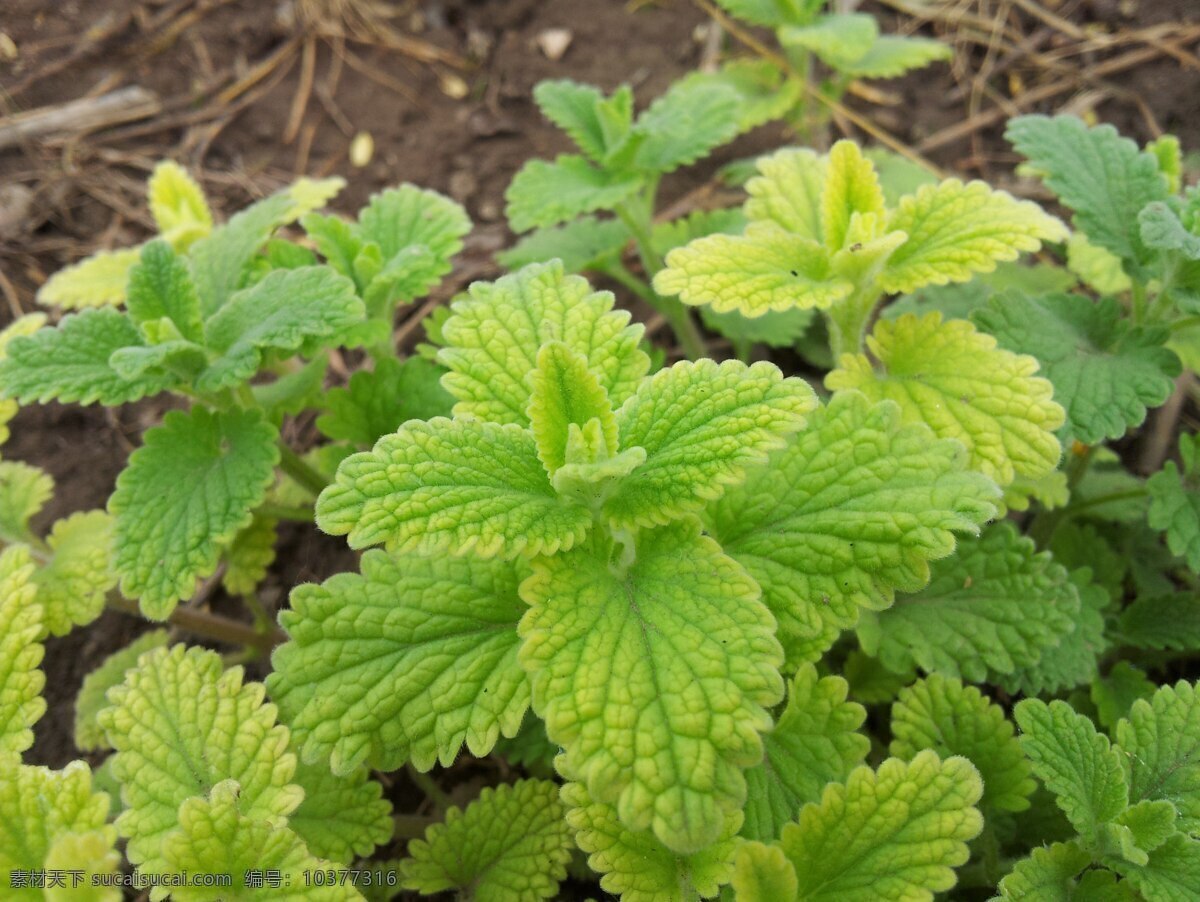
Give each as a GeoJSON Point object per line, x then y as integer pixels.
{"type": "Point", "coordinates": [292, 464]}
{"type": "Point", "coordinates": [432, 791]}
{"type": "Point", "coordinates": [210, 626]}
{"type": "Point", "coordinates": [410, 826]}
{"type": "Point", "coordinates": [281, 512]}
{"type": "Point", "coordinates": [847, 320]}
{"type": "Point", "coordinates": [1139, 303]}
{"type": "Point", "coordinates": [1041, 530]}
{"type": "Point", "coordinates": [679, 317]}
{"type": "Point", "coordinates": [1099, 500]}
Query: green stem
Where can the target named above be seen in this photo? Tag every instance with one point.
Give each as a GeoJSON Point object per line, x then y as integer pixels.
{"type": "Point", "coordinates": [292, 464]}
{"type": "Point", "coordinates": [1139, 303]}
{"type": "Point", "coordinates": [847, 320]}
{"type": "Point", "coordinates": [281, 512]}
{"type": "Point", "coordinates": [1041, 530]}
{"type": "Point", "coordinates": [1110, 498]}
{"type": "Point", "coordinates": [410, 826]}
{"type": "Point", "coordinates": [210, 626]}
{"type": "Point", "coordinates": [637, 220]}
{"type": "Point", "coordinates": [432, 791]}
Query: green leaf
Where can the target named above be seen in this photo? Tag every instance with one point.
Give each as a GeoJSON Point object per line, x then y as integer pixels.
{"type": "Point", "coordinates": [702, 425]}
{"type": "Point", "coordinates": [178, 205]}
{"type": "Point", "coordinates": [181, 724]}
{"type": "Point", "coordinates": [185, 494]}
{"type": "Point", "coordinates": [956, 230]}
{"type": "Point", "coordinates": [341, 817]}
{"type": "Point", "coordinates": [685, 124]}
{"type": "Point", "coordinates": [890, 56]}
{"type": "Point", "coordinates": [581, 244]}
{"type": "Point", "coordinates": [951, 719]}
{"type": "Point", "coordinates": [111, 672]}
{"type": "Point", "coordinates": [766, 269]}
{"type": "Point", "coordinates": [1175, 502]}
{"type": "Point", "coordinates": [1114, 695]}
{"type": "Point", "coordinates": [1047, 875]}
{"type": "Point", "coordinates": [21, 631]}
{"type": "Point", "coordinates": [377, 402]}
{"type": "Point", "coordinates": [451, 485]}
{"type": "Point", "coordinates": [838, 40]}
{"type": "Point", "coordinates": [72, 584]}
{"type": "Point", "coordinates": [772, 12]}
{"type": "Point", "coordinates": [1075, 762]}
{"type": "Point", "coordinates": [417, 233]}
{"type": "Point", "coordinates": [891, 834]}
{"type": "Point", "coordinates": [1073, 662]}
{"type": "Point", "coordinates": [637, 866]}
{"type": "Point", "coordinates": [787, 191]}
{"type": "Point", "coordinates": [220, 261]}
{"type": "Point", "coordinates": [1160, 746]}
{"type": "Point", "coordinates": [996, 606]}
{"type": "Point", "coordinates": [956, 381]}
{"type": "Point", "coordinates": [510, 845]}
{"type": "Point", "coordinates": [1172, 873]}
{"type": "Point", "coordinates": [655, 679]}
{"type": "Point", "coordinates": [419, 654]}
{"type": "Point", "coordinates": [1095, 172]}
{"type": "Point", "coordinates": [283, 311]}
{"type": "Point", "coordinates": [850, 194]}
{"type": "Point", "coordinates": [96, 281]}
{"type": "Point", "coordinates": [854, 508]}
{"type": "Point", "coordinates": [816, 741]}
{"type": "Point", "coordinates": [23, 492]}
{"type": "Point", "coordinates": [544, 194]}
{"type": "Point", "coordinates": [1105, 372]}
{"type": "Point", "coordinates": [775, 330]}
{"type": "Point", "coordinates": [22, 325]}
{"type": "Point", "coordinates": [43, 815]}
{"type": "Point", "coordinates": [1162, 230]}
{"type": "Point", "coordinates": [573, 108]}
{"type": "Point", "coordinates": [249, 556]}
{"type": "Point", "coordinates": [70, 363]}
{"type": "Point", "coordinates": [1165, 621]}
{"type": "Point", "coordinates": [1096, 267]}
{"type": "Point", "coordinates": [566, 398]}
{"type": "Point", "coordinates": [763, 873]}
{"type": "Point", "coordinates": [763, 90]}
{"type": "Point", "coordinates": [216, 834]}
{"type": "Point", "coordinates": [160, 286]}
{"type": "Point", "coordinates": [494, 336]}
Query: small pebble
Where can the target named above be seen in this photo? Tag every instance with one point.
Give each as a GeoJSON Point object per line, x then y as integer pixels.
{"type": "Point", "coordinates": [554, 42]}
{"type": "Point", "coordinates": [362, 148]}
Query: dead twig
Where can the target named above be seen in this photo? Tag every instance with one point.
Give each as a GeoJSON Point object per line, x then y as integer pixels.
{"type": "Point", "coordinates": [84, 115]}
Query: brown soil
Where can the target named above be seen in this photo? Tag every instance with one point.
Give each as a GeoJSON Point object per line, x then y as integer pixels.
{"type": "Point", "coordinates": [85, 191]}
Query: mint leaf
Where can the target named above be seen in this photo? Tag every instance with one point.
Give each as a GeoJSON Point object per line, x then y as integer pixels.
{"type": "Point", "coordinates": [451, 485]}
{"type": "Point", "coordinates": [684, 124]}
{"type": "Point", "coordinates": [854, 508]}
{"type": "Point", "coordinates": [96, 281]}
{"type": "Point", "coordinates": [573, 108]}
{"type": "Point", "coordinates": [71, 362]}
{"type": "Point", "coordinates": [545, 194]}
{"type": "Point", "coordinates": [1175, 502]}
{"type": "Point", "coordinates": [1105, 373]}
{"type": "Point", "coordinates": [1160, 742]}
{"type": "Point", "coordinates": [92, 698]}
{"type": "Point", "coordinates": [73, 582]}
{"type": "Point", "coordinates": [184, 495]}
{"type": "Point", "coordinates": [21, 651]}
{"type": "Point", "coordinates": [341, 816]}
{"type": "Point", "coordinates": [654, 680]}
{"type": "Point", "coordinates": [160, 286]}
{"type": "Point", "coordinates": [378, 401]}
{"type": "Point", "coordinates": [581, 244]}
{"type": "Point", "coordinates": [1095, 172]}
{"type": "Point", "coordinates": [702, 425]}
{"type": "Point", "coordinates": [420, 654]}
{"type": "Point", "coordinates": [283, 311]}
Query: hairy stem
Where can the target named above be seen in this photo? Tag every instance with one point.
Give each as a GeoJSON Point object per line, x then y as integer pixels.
{"type": "Point", "coordinates": [637, 220]}
{"type": "Point", "coordinates": [432, 791]}
{"type": "Point", "coordinates": [847, 321]}
{"type": "Point", "coordinates": [282, 512]}
{"type": "Point", "coordinates": [292, 464]}
{"type": "Point", "coordinates": [1041, 530]}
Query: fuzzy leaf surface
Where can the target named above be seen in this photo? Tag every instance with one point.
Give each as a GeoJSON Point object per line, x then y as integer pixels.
{"type": "Point", "coordinates": [1075, 762]}
{"type": "Point", "coordinates": [955, 379]}
{"type": "Point", "coordinates": [702, 425]}
{"type": "Point", "coordinates": [1172, 873]}
{"type": "Point", "coordinates": [655, 682]}
{"type": "Point", "coordinates": [21, 651]}
{"type": "Point", "coordinates": [418, 654]}
{"type": "Point", "coordinates": [997, 605]}
{"type": "Point", "coordinates": [72, 584]}
{"type": "Point", "coordinates": [177, 204]}
{"type": "Point", "coordinates": [187, 492]}
{"type": "Point", "coordinates": [1105, 373]}
{"type": "Point", "coordinates": [181, 724]}
{"type": "Point", "coordinates": [341, 816]}
{"type": "Point", "coordinates": [816, 741]}
{"type": "Point", "coordinates": [1165, 621]}
{"type": "Point", "coordinates": [1175, 502]}
{"type": "Point", "coordinates": [24, 490]}
{"type": "Point", "coordinates": [1160, 742]}
{"type": "Point", "coordinates": [494, 335]}
{"type": "Point", "coordinates": [952, 719]}
{"type": "Point", "coordinates": [71, 362]}
{"type": "Point", "coordinates": [510, 845]}
{"type": "Point", "coordinates": [566, 394]}
{"type": "Point", "coordinates": [1047, 875]}
{"type": "Point", "coordinates": [1104, 178]}
{"type": "Point", "coordinates": [451, 485]}
{"type": "Point", "coordinates": [686, 123]}
{"type": "Point", "coordinates": [581, 244]}
{"type": "Point", "coordinates": [896, 833]}
{"type": "Point", "coordinates": [890, 56]}
{"type": "Point", "coordinates": [378, 401]}
{"type": "Point", "coordinates": [97, 281]}
{"type": "Point", "coordinates": [956, 230]}
{"type": "Point", "coordinates": [160, 285]}
{"type": "Point", "coordinates": [852, 509]}
{"type": "Point", "coordinates": [544, 194]}
{"type": "Point", "coordinates": [111, 672]}
{"type": "Point", "coordinates": [637, 866]}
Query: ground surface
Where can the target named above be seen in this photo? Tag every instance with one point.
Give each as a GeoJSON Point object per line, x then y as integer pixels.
{"type": "Point", "coordinates": [444, 89]}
